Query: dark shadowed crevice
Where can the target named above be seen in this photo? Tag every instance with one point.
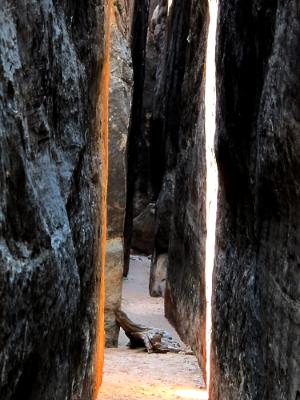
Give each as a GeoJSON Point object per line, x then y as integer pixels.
{"type": "Point", "coordinates": [137, 153]}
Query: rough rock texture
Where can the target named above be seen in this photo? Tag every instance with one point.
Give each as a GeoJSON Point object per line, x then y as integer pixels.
{"type": "Point", "coordinates": [158, 275]}
{"type": "Point", "coordinates": [179, 120]}
{"type": "Point", "coordinates": [256, 324]}
{"type": "Point", "coordinates": [146, 150]}
{"type": "Point", "coordinates": [113, 289]}
{"type": "Point", "coordinates": [136, 145]}
{"type": "Point", "coordinates": [162, 152]}
{"type": "Point", "coordinates": [155, 56]}
{"type": "Point", "coordinates": [53, 114]}
{"type": "Point", "coordinates": [143, 230]}
{"type": "Point", "coordinates": [162, 228]}
{"type": "Point", "coordinates": [121, 81]}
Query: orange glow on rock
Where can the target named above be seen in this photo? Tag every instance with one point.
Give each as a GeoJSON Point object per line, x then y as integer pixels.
{"type": "Point", "coordinates": [101, 141]}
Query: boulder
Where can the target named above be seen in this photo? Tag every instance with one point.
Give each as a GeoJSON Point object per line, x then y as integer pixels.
{"type": "Point", "coordinates": [158, 275]}
{"type": "Point", "coordinates": [143, 230]}
{"type": "Point", "coordinates": [113, 289]}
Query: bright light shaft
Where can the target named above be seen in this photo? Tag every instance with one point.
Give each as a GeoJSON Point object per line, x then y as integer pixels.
{"type": "Point", "coordinates": [212, 173]}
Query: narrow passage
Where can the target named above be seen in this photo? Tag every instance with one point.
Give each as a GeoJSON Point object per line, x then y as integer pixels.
{"type": "Point", "coordinates": [135, 374]}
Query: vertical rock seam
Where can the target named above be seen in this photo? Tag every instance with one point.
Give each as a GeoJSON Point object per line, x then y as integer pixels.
{"type": "Point", "coordinates": [120, 94]}
{"type": "Point", "coordinates": [135, 134]}
{"type": "Point", "coordinates": [102, 142]}
{"type": "Point", "coordinates": [185, 302]}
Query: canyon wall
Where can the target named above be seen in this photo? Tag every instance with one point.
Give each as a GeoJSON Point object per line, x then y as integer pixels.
{"type": "Point", "coordinates": [256, 313]}
{"type": "Point", "coordinates": [185, 162]}
{"type": "Point", "coordinates": [255, 345]}
{"type": "Point", "coordinates": [255, 339]}
{"type": "Point", "coordinates": [120, 94]}
{"type": "Point", "coordinates": [53, 166]}
{"type": "Point", "coordinates": [136, 155]}
{"type": "Point", "coordinates": [166, 134]}
{"type": "Point", "coordinates": [166, 181]}
{"type": "Point", "coordinates": [148, 181]}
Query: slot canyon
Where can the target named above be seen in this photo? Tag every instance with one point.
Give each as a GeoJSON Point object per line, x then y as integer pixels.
{"type": "Point", "coordinates": [148, 163]}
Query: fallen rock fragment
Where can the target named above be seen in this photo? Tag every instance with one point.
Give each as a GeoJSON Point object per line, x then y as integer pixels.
{"type": "Point", "coordinates": [155, 340]}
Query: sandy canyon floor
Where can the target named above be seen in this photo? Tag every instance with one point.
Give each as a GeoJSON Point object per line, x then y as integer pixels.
{"type": "Point", "coordinates": [135, 374]}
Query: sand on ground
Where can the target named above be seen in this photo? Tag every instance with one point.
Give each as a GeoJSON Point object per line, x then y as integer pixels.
{"type": "Point", "coordinates": [135, 374]}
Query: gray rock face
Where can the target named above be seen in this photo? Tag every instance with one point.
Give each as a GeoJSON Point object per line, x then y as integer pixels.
{"type": "Point", "coordinates": [136, 144]}
{"type": "Point", "coordinates": [256, 325]}
{"type": "Point", "coordinates": [121, 81]}
{"type": "Point", "coordinates": [179, 119]}
{"type": "Point", "coordinates": [52, 177]}
{"type": "Point", "coordinates": [164, 213]}
{"type": "Point", "coordinates": [162, 226]}
{"type": "Point", "coordinates": [143, 230]}
{"type": "Point", "coordinates": [154, 56]}
{"type": "Point", "coordinates": [146, 157]}
{"type": "Point", "coordinates": [113, 289]}
{"type": "Point", "coordinates": [158, 275]}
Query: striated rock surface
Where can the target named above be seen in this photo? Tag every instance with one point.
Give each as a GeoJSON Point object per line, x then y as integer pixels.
{"type": "Point", "coordinates": [113, 288]}
{"type": "Point", "coordinates": [162, 227]}
{"type": "Point", "coordinates": [136, 144]}
{"type": "Point", "coordinates": [143, 230]}
{"type": "Point", "coordinates": [145, 149]}
{"type": "Point", "coordinates": [158, 275]}
{"type": "Point", "coordinates": [120, 93]}
{"type": "Point", "coordinates": [179, 120]}
{"type": "Point", "coordinates": [169, 140]}
{"type": "Point", "coordinates": [121, 81]}
{"type": "Point", "coordinates": [53, 118]}
{"type": "Point", "coordinates": [256, 322]}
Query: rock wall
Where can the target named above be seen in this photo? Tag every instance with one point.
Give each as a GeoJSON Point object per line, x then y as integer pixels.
{"type": "Point", "coordinates": [184, 127]}
{"type": "Point", "coordinates": [173, 104]}
{"type": "Point", "coordinates": [256, 331]}
{"type": "Point", "coordinates": [145, 156]}
{"type": "Point", "coordinates": [53, 119]}
{"type": "Point", "coordinates": [170, 139]}
{"type": "Point", "coordinates": [136, 146]}
{"type": "Point", "coordinates": [121, 81]}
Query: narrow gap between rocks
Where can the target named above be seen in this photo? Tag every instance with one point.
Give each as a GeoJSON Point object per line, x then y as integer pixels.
{"type": "Point", "coordinates": [173, 246]}
{"type": "Point", "coordinates": [132, 373]}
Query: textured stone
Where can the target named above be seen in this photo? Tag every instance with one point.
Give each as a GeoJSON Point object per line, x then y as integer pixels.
{"type": "Point", "coordinates": [121, 81]}
{"type": "Point", "coordinates": [164, 213]}
{"type": "Point", "coordinates": [146, 173]}
{"type": "Point", "coordinates": [113, 289]}
{"type": "Point", "coordinates": [119, 114]}
{"type": "Point", "coordinates": [143, 230]}
{"type": "Point", "coordinates": [178, 125]}
{"type": "Point", "coordinates": [256, 330]}
{"type": "Point", "coordinates": [136, 144]}
{"type": "Point", "coordinates": [145, 152]}
{"type": "Point", "coordinates": [52, 184]}
{"type": "Point", "coordinates": [154, 56]}
{"type": "Point", "coordinates": [158, 275]}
